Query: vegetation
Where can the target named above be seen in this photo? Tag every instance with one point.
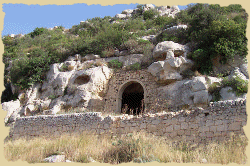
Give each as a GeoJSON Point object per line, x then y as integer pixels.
{"type": "Point", "coordinates": [134, 147]}
{"type": "Point", "coordinates": [115, 64]}
{"type": "Point", "coordinates": [239, 87]}
{"type": "Point", "coordinates": [213, 31]}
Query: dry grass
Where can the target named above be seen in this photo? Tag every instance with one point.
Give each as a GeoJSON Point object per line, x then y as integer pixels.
{"type": "Point", "coordinates": [137, 147]}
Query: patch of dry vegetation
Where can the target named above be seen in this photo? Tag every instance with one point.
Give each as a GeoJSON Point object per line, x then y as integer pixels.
{"type": "Point", "coordinates": [136, 147]}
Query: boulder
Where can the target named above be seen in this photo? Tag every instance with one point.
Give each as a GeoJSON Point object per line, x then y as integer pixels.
{"type": "Point", "coordinates": [228, 94]}
{"type": "Point", "coordinates": [169, 77]}
{"type": "Point", "coordinates": [169, 11]}
{"type": "Point", "coordinates": [44, 105]}
{"type": "Point", "coordinates": [29, 109]}
{"type": "Point", "coordinates": [156, 67]}
{"type": "Point", "coordinates": [185, 92]}
{"type": "Point", "coordinates": [127, 11]}
{"type": "Point", "coordinates": [151, 38]}
{"type": "Point", "coordinates": [121, 16]}
{"type": "Point", "coordinates": [237, 73]}
{"type": "Point", "coordinates": [174, 62]}
{"type": "Point", "coordinates": [212, 80]}
{"type": "Point", "coordinates": [10, 107]}
{"type": "Point", "coordinates": [198, 84]}
{"type": "Point", "coordinates": [91, 57]}
{"type": "Point", "coordinates": [201, 97]}
{"type": "Point", "coordinates": [55, 159]}
{"type": "Point", "coordinates": [164, 47]}
{"type": "Point", "coordinates": [186, 64]}
{"type": "Point", "coordinates": [148, 7]}
{"type": "Point", "coordinates": [169, 66]}
{"type": "Point", "coordinates": [175, 28]}
{"type": "Point", "coordinates": [177, 94]}
{"type": "Point", "coordinates": [243, 69]}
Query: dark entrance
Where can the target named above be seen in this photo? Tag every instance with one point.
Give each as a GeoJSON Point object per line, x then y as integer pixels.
{"type": "Point", "coordinates": [132, 99]}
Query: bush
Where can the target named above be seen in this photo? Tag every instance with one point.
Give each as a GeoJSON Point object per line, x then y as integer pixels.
{"type": "Point", "coordinates": [27, 71]}
{"type": "Point", "coordinates": [149, 14]}
{"type": "Point", "coordinates": [212, 29]}
{"type": "Point", "coordinates": [37, 32]}
{"type": "Point", "coordinates": [238, 85]}
{"type": "Point", "coordinates": [135, 66]}
{"type": "Point", "coordinates": [115, 64]}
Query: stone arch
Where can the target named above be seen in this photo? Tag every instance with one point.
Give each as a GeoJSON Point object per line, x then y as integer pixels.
{"type": "Point", "coordinates": [122, 89]}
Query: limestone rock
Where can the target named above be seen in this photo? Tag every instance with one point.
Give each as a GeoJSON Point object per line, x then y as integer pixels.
{"type": "Point", "coordinates": [201, 97]}
{"type": "Point", "coordinates": [44, 105]}
{"type": "Point", "coordinates": [148, 7]}
{"type": "Point", "coordinates": [186, 64]}
{"type": "Point", "coordinates": [163, 48]}
{"type": "Point", "coordinates": [228, 94]}
{"type": "Point", "coordinates": [169, 11]}
{"type": "Point", "coordinates": [156, 67]}
{"type": "Point", "coordinates": [174, 28]}
{"type": "Point", "coordinates": [127, 11]}
{"type": "Point", "coordinates": [10, 107]}
{"type": "Point", "coordinates": [174, 62]}
{"type": "Point", "coordinates": [91, 57]}
{"type": "Point", "coordinates": [167, 77]}
{"type": "Point", "coordinates": [151, 38]}
{"type": "Point", "coordinates": [199, 83]}
{"type": "Point", "coordinates": [243, 69]}
{"type": "Point", "coordinates": [121, 16]}
{"type": "Point", "coordinates": [55, 159]}
{"type": "Point", "coordinates": [237, 73]}
{"type": "Point", "coordinates": [212, 80]}
{"type": "Point", "coordinates": [185, 92]}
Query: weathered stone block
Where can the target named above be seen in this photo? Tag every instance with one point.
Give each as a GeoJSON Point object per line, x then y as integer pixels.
{"type": "Point", "coordinates": [234, 126]}
{"type": "Point", "coordinates": [184, 125]}
{"type": "Point", "coordinates": [177, 127]}
{"type": "Point", "coordinates": [221, 128]}
{"type": "Point", "coordinates": [169, 128]}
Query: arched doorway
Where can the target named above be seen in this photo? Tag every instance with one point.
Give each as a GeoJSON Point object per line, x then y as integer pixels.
{"type": "Point", "coordinates": [131, 98]}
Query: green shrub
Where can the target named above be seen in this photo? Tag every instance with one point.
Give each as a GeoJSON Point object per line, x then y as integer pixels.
{"type": "Point", "coordinates": [37, 32]}
{"type": "Point", "coordinates": [238, 85]}
{"type": "Point", "coordinates": [27, 71]}
{"type": "Point", "coordinates": [115, 64]}
{"type": "Point", "coordinates": [149, 14]}
{"type": "Point", "coordinates": [212, 29]}
{"type": "Point", "coordinates": [135, 66]}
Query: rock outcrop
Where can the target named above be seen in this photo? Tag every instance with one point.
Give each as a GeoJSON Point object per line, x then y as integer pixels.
{"type": "Point", "coordinates": [172, 61]}
{"type": "Point", "coordinates": [185, 92]}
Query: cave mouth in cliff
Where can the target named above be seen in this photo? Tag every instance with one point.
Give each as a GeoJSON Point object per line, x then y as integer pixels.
{"type": "Point", "coordinates": [83, 79]}
{"type": "Point", "coordinates": [133, 99]}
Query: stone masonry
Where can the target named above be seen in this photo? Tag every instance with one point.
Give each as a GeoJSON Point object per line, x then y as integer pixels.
{"type": "Point", "coordinates": [216, 122]}
{"type": "Point", "coordinates": [120, 79]}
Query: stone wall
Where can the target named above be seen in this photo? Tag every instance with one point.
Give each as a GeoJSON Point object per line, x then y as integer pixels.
{"type": "Point", "coordinates": [120, 79]}
{"type": "Point", "coordinates": [216, 122]}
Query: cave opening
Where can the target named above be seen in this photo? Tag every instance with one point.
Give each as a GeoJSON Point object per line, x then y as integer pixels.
{"type": "Point", "coordinates": [133, 99]}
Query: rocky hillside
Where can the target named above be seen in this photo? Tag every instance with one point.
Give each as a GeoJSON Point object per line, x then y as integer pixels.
{"type": "Point", "coordinates": [197, 55]}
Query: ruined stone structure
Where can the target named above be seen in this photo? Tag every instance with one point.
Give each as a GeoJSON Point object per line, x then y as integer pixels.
{"type": "Point", "coordinates": [216, 122]}
{"type": "Point", "coordinates": [123, 81]}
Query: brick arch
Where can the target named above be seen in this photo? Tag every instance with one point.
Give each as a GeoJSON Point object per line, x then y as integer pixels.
{"type": "Point", "coordinates": [123, 87]}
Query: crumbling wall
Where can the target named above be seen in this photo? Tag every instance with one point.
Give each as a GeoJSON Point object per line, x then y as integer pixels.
{"type": "Point", "coordinates": [216, 122]}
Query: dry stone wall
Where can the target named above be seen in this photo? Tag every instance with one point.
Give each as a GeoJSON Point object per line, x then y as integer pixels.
{"type": "Point", "coordinates": [216, 122]}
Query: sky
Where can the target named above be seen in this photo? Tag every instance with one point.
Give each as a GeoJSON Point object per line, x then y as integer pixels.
{"type": "Point", "coordinates": [23, 19]}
